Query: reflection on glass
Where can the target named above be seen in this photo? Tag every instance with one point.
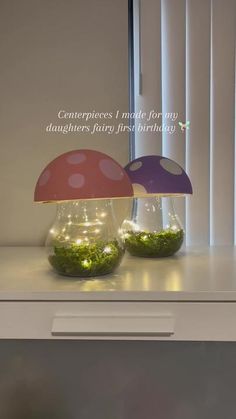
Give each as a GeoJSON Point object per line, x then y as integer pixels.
{"type": "Point", "coordinates": [84, 240]}
{"type": "Point", "coordinates": [154, 230]}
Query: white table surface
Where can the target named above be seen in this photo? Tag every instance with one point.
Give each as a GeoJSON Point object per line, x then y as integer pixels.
{"type": "Point", "coordinates": [194, 274]}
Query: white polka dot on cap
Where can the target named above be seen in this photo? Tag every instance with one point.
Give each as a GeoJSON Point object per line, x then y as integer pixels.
{"type": "Point", "coordinates": [76, 158]}
{"type": "Point", "coordinates": [110, 169]}
{"type": "Point", "coordinates": [44, 178]}
{"type": "Point", "coordinates": [171, 167]}
{"type": "Point", "coordinates": [76, 180]}
{"type": "Point", "coordinates": [135, 166]}
{"type": "Point", "coordinates": [139, 189]}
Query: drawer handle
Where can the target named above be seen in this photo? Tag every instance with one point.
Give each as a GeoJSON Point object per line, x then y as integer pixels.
{"type": "Point", "coordinates": [118, 325]}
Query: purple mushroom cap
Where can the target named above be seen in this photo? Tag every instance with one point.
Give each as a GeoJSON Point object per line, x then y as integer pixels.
{"type": "Point", "coordinates": [158, 175]}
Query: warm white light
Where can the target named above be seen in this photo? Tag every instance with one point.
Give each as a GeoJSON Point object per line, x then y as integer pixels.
{"type": "Point", "coordinates": [103, 214]}
{"type": "Point", "coordinates": [134, 226]}
{"type": "Point", "coordinates": [144, 237]}
{"type": "Point", "coordinates": [67, 237]}
{"type": "Point", "coordinates": [107, 249]}
{"type": "Point", "coordinates": [97, 230]}
{"type": "Point", "coordinates": [52, 231]}
{"type": "Point", "coordinates": [85, 263]}
{"type": "Point", "coordinates": [174, 228]}
{"type": "Point", "coordinates": [78, 241]}
{"type": "Point", "coordinates": [69, 223]}
{"type": "Point", "coordinates": [125, 235]}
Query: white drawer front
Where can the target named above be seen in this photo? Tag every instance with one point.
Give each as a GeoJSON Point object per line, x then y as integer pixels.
{"type": "Point", "coordinates": [118, 320]}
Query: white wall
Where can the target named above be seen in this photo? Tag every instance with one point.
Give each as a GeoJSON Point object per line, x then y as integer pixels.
{"type": "Point", "coordinates": [55, 55]}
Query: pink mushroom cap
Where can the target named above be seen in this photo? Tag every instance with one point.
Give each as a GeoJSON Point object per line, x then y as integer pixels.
{"type": "Point", "coordinates": [82, 174]}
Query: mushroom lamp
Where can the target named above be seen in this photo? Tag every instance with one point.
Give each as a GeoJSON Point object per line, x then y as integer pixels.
{"type": "Point", "coordinates": [154, 229]}
{"type": "Point", "coordinates": [83, 240]}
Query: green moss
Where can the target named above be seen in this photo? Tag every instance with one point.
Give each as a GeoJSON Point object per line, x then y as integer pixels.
{"type": "Point", "coordinates": [86, 259]}
{"type": "Point", "coordinates": [162, 244]}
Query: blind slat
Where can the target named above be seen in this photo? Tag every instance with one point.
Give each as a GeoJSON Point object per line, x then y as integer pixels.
{"type": "Point", "coordinates": [198, 31]}
{"type": "Point", "coordinates": [173, 83]}
{"type": "Point", "coordinates": [150, 48]}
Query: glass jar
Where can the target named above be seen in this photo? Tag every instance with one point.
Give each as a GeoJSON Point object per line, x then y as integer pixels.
{"type": "Point", "coordinates": [84, 240]}
{"type": "Point", "coordinates": [154, 229]}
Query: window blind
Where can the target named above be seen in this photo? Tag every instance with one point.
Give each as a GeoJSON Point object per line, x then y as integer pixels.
{"type": "Point", "coordinates": [184, 62]}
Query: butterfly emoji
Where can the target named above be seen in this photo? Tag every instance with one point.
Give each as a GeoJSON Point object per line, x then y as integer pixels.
{"type": "Point", "coordinates": [184, 126]}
